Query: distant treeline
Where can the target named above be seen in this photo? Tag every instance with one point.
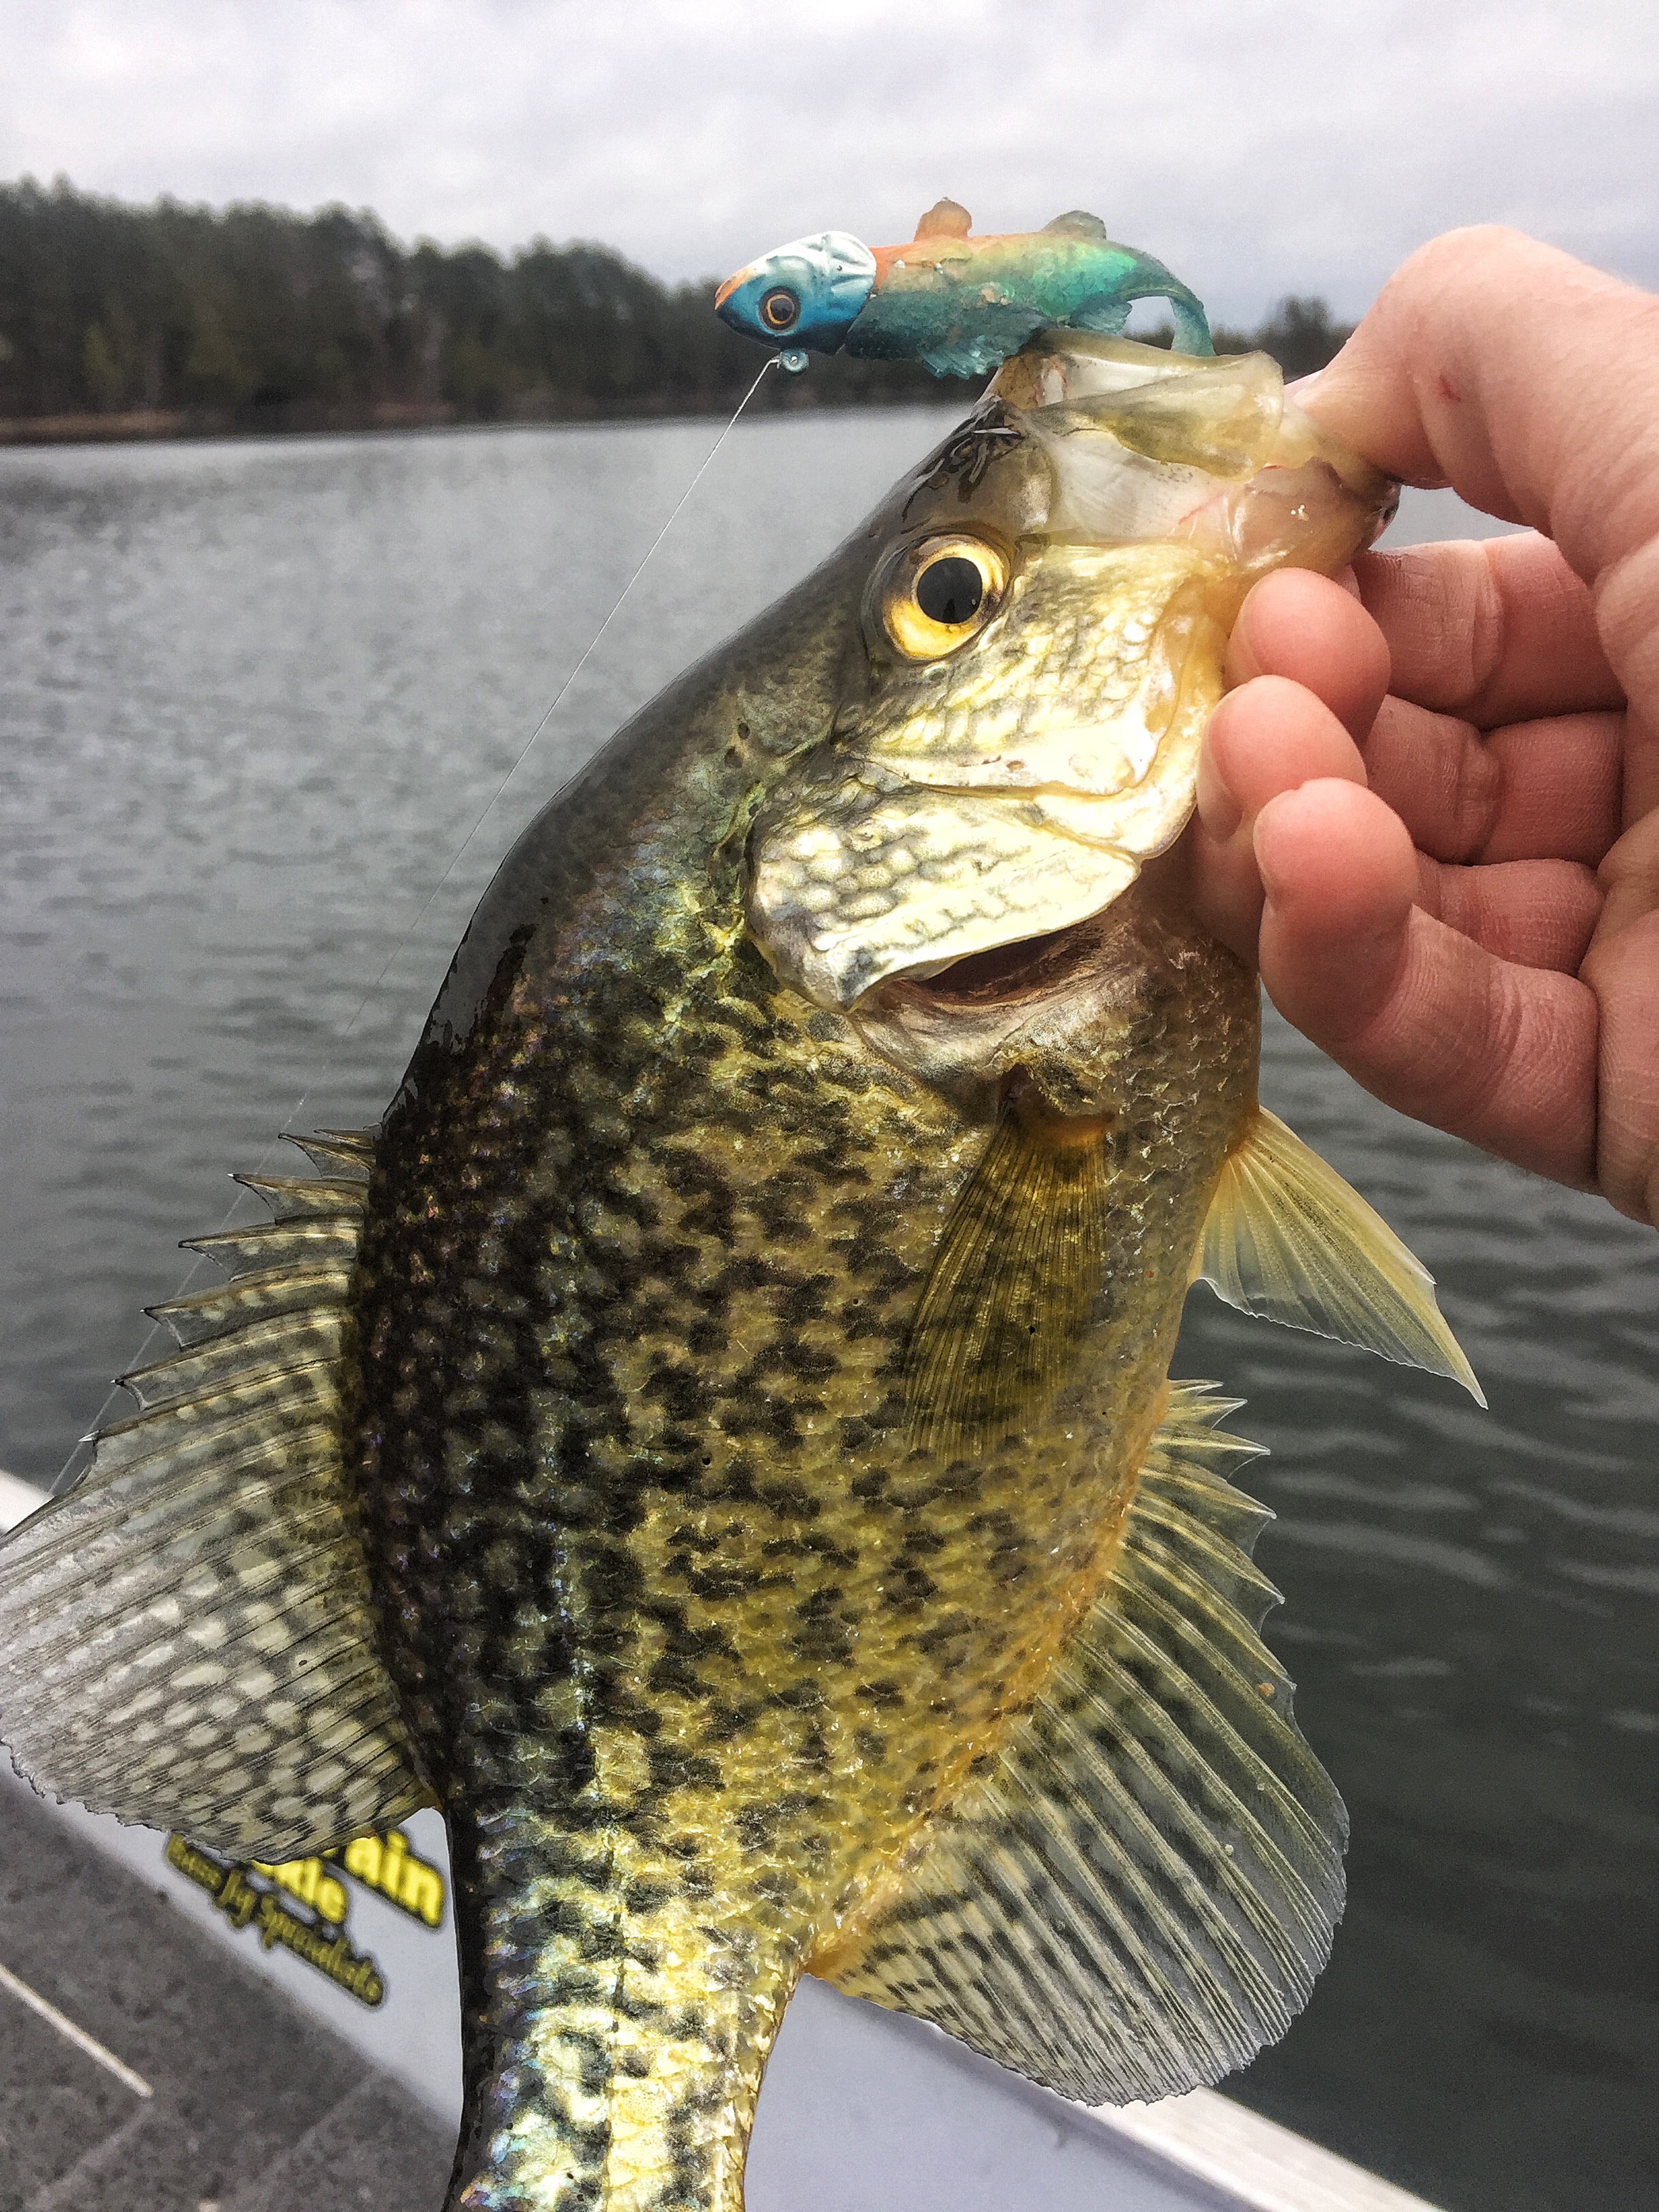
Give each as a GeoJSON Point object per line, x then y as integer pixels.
{"type": "Point", "coordinates": [125, 319]}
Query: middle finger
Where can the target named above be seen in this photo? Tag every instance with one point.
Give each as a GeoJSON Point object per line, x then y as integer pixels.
{"type": "Point", "coordinates": [1542, 790]}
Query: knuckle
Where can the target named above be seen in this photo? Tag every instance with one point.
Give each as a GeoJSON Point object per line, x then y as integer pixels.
{"type": "Point", "coordinates": [1477, 790]}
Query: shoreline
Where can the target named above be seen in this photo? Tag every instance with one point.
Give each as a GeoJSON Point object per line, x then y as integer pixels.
{"type": "Point", "coordinates": [153, 425]}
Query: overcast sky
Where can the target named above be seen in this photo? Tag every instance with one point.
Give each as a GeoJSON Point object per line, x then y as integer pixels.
{"type": "Point", "coordinates": [1258, 146]}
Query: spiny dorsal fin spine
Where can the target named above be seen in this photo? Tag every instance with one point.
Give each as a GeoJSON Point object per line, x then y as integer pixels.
{"type": "Point", "coordinates": [1234, 1518]}
{"type": "Point", "coordinates": [1155, 1566]}
{"type": "Point", "coordinates": [334, 1155]}
{"type": "Point", "coordinates": [267, 1399]}
{"type": "Point", "coordinates": [278, 1243]}
{"type": "Point", "coordinates": [299, 1198]}
{"type": "Point", "coordinates": [247, 1299]}
{"type": "Point", "coordinates": [1164, 1524]}
{"type": "Point", "coordinates": [262, 1348]}
{"type": "Point", "coordinates": [356, 1143]}
{"type": "Point", "coordinates": [1260, 1721]}
{"type": "Point", "coordinates": [1238, 1674]}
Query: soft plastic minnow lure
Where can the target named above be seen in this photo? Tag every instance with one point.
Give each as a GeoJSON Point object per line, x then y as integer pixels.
{"type": "Point", "coordinates": [959, 304]}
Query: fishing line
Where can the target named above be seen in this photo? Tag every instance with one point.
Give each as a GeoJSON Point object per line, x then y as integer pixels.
{"type": "Point", "coordinates": [63, 1480]}
{"type": "Point", "coordinates": [462, 849]}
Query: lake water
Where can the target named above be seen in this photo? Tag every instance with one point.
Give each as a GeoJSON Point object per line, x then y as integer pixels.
{"type": "Point", "coordinates": [254, 697]}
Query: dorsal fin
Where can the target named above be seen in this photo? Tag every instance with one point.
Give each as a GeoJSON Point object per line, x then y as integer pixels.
{"type": "Point", "coordinates": [293, 1241]}
{"type": "Point", "coordinates": [298, 1198]}
{"type": "Point", "coordinates": [188, 1637]}
{"type": "Point", "coordinates": [229, 1306]}
{"type": "Point", "coordinates": [344, 1153]}
{"type": "Point", "coordinates": [1137, 1887]}
{"type": "Point", "coordinates": [945, 219]}
{"type": "Point", "coordinates": [1077, 223]}
{"type": "Point", "coordinates": [1287, 1238]}
{"type": "Point", "coordinates": [358, 1143]}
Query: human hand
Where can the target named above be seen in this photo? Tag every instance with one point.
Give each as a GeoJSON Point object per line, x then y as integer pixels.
{"type": "Point", "coordinates": [1431, 806]}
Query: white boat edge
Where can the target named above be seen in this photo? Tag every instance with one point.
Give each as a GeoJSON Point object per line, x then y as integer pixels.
{"type": "Point", "coordinates": [1262, 2166]}
{"type": "Point", "coordinates": [1257, 2163]}
{"type": "Point", "coordinates": [17, 1500]}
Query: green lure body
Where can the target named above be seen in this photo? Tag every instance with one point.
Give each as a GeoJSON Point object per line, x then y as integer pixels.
{"type": "Point", "coordinates": [959, 304]}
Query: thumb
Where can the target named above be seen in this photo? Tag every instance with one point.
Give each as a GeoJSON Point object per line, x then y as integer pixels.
{"type": "Point", "coordinates": [1530, 384]}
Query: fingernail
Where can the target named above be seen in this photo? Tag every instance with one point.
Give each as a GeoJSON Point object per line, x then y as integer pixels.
{"type": "Point", "coordinates": [1243, 663]}
{"type": "Point", "coordinates": [1218, 807]}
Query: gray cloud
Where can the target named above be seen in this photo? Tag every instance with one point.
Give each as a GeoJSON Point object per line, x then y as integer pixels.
{"type": "Point", "coordinates": [1261, 148]}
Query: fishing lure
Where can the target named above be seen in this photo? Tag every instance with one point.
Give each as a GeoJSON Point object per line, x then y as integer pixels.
{"type": "Point", "coordinates": [959, 304]}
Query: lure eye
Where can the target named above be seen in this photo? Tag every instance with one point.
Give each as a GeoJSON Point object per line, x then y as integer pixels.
{"type": "Point", "coordinates": [780, 310]}
{"type": "Point", "coordinates": [942, 592]}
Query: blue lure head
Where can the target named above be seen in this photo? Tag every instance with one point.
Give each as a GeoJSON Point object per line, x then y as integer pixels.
{"type": "Point", "coordinates": [805, 294]}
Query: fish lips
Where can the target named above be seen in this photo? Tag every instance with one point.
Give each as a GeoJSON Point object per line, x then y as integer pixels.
{"type": "Point", "coordinates": [828, 277]}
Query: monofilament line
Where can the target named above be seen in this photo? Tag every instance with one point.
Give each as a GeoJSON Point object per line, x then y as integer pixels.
{"type": "Point", "coordinates": [455, 860]}
{"type": "Point", "coordinates": [557, 701]}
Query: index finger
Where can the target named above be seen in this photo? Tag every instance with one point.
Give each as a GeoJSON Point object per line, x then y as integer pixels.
{"type": "Point", "coordinates": [1530, 384]}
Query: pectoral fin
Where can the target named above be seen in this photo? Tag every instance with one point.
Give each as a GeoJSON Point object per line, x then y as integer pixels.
{"type": "Point", "coordinates": [1013, 1281]}
{"type": "Point", "coordinates": [1287, 1238]}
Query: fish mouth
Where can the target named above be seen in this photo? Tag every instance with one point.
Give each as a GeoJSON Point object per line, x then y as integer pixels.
{"type": "Point", "coordinates": [967, 1027]}
{"type": "Point", "coordinates": [879, 880]}
{"type": "Point", "coordinates": [1019, 970]}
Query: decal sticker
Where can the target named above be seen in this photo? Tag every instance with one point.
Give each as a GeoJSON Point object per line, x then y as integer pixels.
{"type": "Point", "coordinates": [252, 1896]}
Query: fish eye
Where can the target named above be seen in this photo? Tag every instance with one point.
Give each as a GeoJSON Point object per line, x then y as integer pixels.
{"type": "Point", "coordinates": [780, 310]}
{"type": "Point", "coordinates": [950, 589]}
{"type": "Point", "coordinates": [942, 591]}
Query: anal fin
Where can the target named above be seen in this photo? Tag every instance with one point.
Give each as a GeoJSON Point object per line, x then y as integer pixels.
{"type": "Point", "coordinates": [1136, 1894]}
{"type": "Point", "coordinates": [188, 1636]}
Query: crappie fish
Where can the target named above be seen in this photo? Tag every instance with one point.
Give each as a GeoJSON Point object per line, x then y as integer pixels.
{"type": "Point", "coordinates": [959, 304]}
{"type": "Point", "coordinates": [715, 1439]}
